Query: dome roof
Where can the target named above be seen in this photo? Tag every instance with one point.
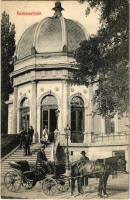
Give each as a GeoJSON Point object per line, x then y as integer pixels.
{"type": "Point", "coordinates": [50, 35]}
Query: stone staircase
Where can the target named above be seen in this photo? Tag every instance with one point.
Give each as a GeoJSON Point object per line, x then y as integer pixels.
{"type": "Point", "coordinates": [18, 154]}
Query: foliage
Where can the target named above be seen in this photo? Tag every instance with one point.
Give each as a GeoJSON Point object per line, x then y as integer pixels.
{"type": "Point", "coordinates": [105, 57]}
{"type": "Point", "coordinates": [7, 52]}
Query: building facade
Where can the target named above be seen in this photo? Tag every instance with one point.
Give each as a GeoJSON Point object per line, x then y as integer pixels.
{"type": "Point", "coordinates": [43, 94]}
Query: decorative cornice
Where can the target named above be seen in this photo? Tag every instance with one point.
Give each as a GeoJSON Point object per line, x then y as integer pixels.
{"type": "Point", "coordinates": [45, 55]}
{"type": "Point", "coordinates": [41, 75]}
{"type": "Point", "coordinates": [41, 67]}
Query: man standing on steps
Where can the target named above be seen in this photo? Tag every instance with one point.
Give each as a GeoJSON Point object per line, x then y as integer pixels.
{"type": "Point", "coordinates": [31, 133]}
{"type": "Point", "coordinates": [22, 135]}
{"type": "Point", "coordinates": [27, 142]}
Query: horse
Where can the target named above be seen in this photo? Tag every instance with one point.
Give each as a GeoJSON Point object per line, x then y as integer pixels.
{"type": "Point", "coordinates": [100, 168]}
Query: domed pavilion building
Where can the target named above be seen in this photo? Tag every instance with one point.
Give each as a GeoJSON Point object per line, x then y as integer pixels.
{"type": "Point", "coordinates": [43, 94]}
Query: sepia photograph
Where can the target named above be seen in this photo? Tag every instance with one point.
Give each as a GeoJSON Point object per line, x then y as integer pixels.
{"type": "Point", "coordinates": [65, 99]}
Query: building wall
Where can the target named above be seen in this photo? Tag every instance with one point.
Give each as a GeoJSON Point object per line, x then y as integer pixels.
{"type": "Point", "coordinates": [63, 93]}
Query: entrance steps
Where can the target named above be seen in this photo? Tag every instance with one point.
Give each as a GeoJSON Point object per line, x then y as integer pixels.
{"type": "Point", "coordinates": [18, 154]}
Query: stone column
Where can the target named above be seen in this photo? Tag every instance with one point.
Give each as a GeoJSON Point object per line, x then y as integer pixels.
{"type": "Point", "coordinates": [116, 124]}
{"type": "Point", "coordinates": [89, 117]}
{"type": "Point", "coordinates": [65, 109]}
{"type": "Point", "coordinates": [34, 110]}
{"type": "Point", "coordinates": [15, 110]}
{"type": "Point", "coordinates": [89, 128]}
{"type": "Point", "coordinates": [102, 126]}
{"type": "Point", "coordinates": [68, 120]}
{"type": "Point", "coordinates": [65, 103]}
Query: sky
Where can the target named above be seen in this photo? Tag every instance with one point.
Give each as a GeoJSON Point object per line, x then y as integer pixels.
{"type": "Point", "coordinates": [72, 10]}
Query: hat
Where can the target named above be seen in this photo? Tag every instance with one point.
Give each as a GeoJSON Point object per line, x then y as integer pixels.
{"type": "Point", "coordinates": [83, 152]}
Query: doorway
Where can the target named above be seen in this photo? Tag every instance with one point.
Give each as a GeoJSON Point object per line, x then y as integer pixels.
{"type": "Point", "coordinates": [24, 114]}
{"type": "Point", "coordinates": [48, 117]}
{"type": "Point", "coordinates": [25, 120]}
{"type": "Point", "coordinates": [53, 122]}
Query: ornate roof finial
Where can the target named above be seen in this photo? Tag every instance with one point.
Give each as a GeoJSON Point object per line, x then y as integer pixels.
{"type": "Point", "coordinates": [58, 8]}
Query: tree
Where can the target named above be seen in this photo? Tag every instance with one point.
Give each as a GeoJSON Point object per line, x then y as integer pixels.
{"type": "Point", "coordinates": [103, 58]}
{"type": "Point", "coordinates": [7, 52]}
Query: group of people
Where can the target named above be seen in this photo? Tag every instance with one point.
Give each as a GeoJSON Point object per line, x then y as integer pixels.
{"type": "Point", "coordinates": [26, 139]}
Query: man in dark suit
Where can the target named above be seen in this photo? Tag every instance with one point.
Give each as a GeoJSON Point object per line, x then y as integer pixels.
{"type": "Point", "coordinates": [41, 156]}
{"type": "Point", "coordinates": [31, 133]}
{"type": "Point", "coordinates": [22, 135]}
{"type": "Point", "coordinates": [84, 159]}
{"type": "Point", "coordinates": [27, 142]}
{"type": "Point", "coordinates": [42, 161]}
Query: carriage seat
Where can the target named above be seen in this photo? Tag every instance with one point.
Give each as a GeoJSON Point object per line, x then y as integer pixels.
{"type": "Point", "coordinates": [21, 165]}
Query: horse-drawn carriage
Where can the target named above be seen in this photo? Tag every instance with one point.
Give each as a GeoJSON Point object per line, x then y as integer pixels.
{"type": "Point", "coordinates": [22, 174]}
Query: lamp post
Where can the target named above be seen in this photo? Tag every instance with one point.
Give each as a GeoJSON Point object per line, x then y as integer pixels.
{"type": "Point", "coordinates": [57, 115]}
{"type": "Point", "coordinates": [67, 131]}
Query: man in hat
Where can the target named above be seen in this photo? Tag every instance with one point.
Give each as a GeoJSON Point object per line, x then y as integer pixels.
{"type": "Point", "coordinates": [42, 161]}
{"type": "Point", "coordinates": [84, 159]}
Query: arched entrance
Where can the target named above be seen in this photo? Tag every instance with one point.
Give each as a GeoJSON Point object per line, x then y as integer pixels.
{"type": "Point", "coordinates": [49, 107]}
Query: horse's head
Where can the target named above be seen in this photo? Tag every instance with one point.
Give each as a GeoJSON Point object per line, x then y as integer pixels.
{"type": "Point", "coordinates": [121, 164]}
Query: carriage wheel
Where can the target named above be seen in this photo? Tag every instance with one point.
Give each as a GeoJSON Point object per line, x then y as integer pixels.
{"type": "Point", "coordinates": [28, 184]}
{"type": "Point", "coordinates": [13, 181]}
{"type": "Point", "coordinates": [49, 186]}
{"type": "Point", "coordinates": [63, 185]}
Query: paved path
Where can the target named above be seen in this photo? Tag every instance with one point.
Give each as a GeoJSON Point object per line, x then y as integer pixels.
{"type": "Point", "coordinates": [117, 187]}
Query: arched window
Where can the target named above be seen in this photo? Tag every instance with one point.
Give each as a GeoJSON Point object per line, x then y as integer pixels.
{"type": "Point", "coordinates": [24, 113]}
{"type": "Point", "coordinates": [77, 119]}
{"type": "Point", "coordinates": [24, 103]}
